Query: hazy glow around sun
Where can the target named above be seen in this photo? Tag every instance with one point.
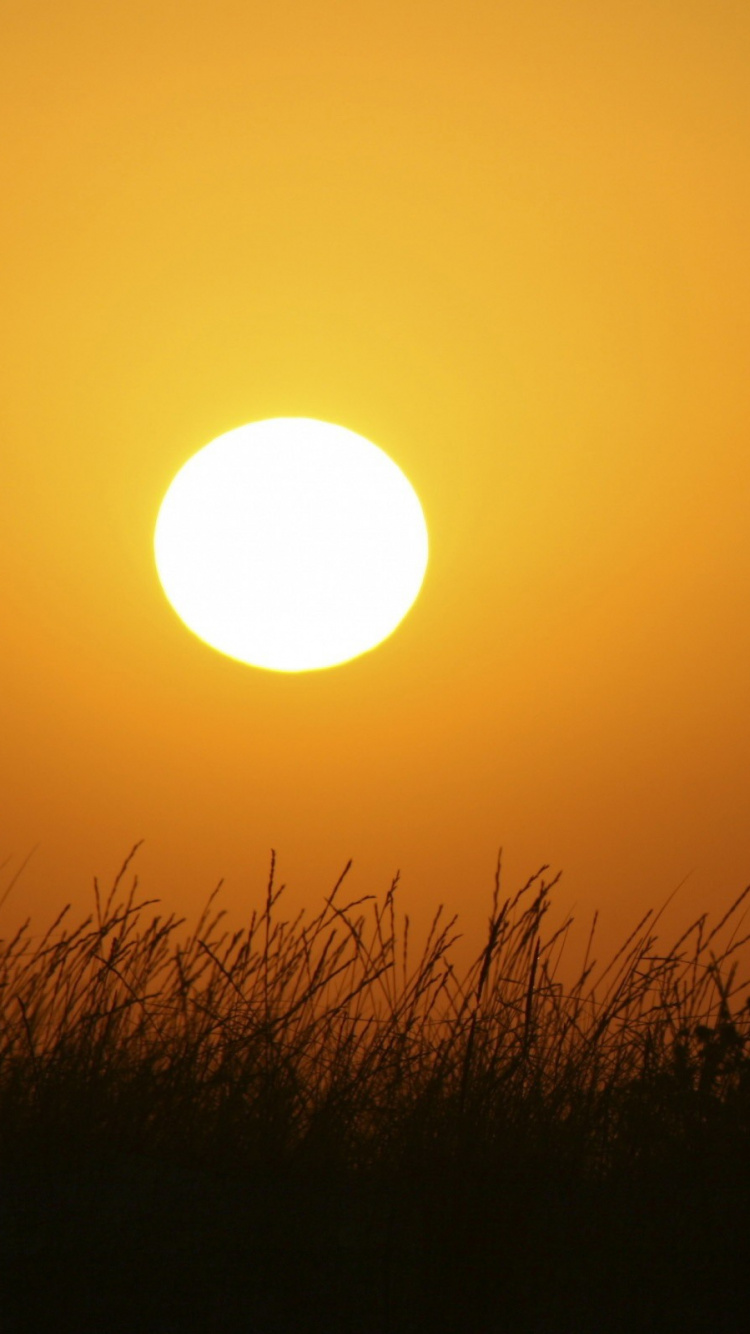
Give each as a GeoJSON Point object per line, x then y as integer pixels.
{"type": "Point", "coordinates": [291, 544]}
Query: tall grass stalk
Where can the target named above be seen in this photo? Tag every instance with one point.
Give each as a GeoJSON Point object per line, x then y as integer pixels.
{"type": "Point", "coordinates": [317, 1054]}
{"type": "Point", "coordinates": [264, 1040]}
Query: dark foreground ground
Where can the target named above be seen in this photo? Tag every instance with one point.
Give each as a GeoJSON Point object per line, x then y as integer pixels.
{"type": "Point", "coordinates": [131, 1244]}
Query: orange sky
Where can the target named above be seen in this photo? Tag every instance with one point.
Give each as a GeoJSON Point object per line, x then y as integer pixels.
{"type": "Point", "coordinates": [509, 244]}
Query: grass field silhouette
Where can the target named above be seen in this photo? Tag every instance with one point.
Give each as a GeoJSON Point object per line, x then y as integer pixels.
{"type": "Point", "coordinates": [298, 1125]}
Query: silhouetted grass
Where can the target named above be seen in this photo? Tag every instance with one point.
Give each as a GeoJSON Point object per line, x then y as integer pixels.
{"type": "Point", "coordinates": [300, 1125]}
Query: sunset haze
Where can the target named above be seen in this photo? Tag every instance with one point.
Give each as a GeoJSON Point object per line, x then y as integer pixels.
{"type": "Point", "coordinates": [506, 243]}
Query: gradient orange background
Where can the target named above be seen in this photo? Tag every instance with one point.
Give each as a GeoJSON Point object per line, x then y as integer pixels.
{"type": "Point", "coordinates": [509, 244]}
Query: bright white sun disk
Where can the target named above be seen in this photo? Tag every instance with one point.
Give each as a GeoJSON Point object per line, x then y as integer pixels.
{"type": "Point", "coordinates": [291, 544]}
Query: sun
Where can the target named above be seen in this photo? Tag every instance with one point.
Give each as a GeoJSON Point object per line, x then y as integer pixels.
{"type": "Point", "coordinates": [291, 544]}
